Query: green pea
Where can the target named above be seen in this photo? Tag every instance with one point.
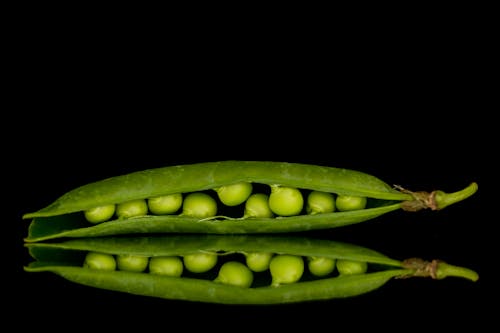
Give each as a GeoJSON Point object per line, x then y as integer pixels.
{"type": "Point", "coordinates": [100, 214]}
{"type": "Point", "coordinates": [257, 206]}
{"type": "Point", "coordinates": [165, 204]}
{"type": "Point", "coordinates": [199, 204]}
{"type": "Point", "coordinates": [349, 267]}
{"type": "Point", "coordinates": [258, 261]}
{"type": "Point", "coordinates": [285, 201]}
{"type": "Point", "coordinates": [286, 268]}
{"type": "Point", "coordinates": [320, 266]}
{"type": "Point", "coordinates": [200, 262]}
{"type": "Point", "coordinates": [319, 202]}
{"type": "Point", "coordinates": [131, 263]}
{"type": "Point", "coordinates": [166, 265]}
{"type": "Point", "coordinates": [350, 202]}
{"type": "Point", "coordinates": [99, 261]}
{"type": "Point", "coordinates": [235, 273]}
{"type": "Point", "coordinates": [131, 208]}
{"type": "Point", "coordinates": [234, 194]}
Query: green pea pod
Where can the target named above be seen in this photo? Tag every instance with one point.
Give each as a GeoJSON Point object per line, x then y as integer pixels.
{"type": "Point", "coordinates": [65, 259]}
{"type": "Point", "coordinates": [64, 217]}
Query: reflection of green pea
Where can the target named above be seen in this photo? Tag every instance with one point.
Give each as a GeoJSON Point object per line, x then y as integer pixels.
{"type": "Point", "coordinates": [258, 261]}
{"type": "Point", "coordinates": [235, 273]}
{"type": "Point", "coordinates": [348, 267]}
{"type": "Point", "coordinates": [286, 268]}
{"type": "Point", "coordinates": [200, 262]}
{"type": "Point", "coordinates": [131, 263]}
{"type": "Point", "coordinates": [320, 266]}
{"type": "Point", "coordinates": [166, 265]}
{"type": "Point", "coordinates": [350, 202]}
{"type": "Point", "coordinates": [100, 261]}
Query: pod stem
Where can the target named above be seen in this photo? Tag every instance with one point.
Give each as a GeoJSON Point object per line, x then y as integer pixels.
{"type": "Point", "coordinates": [437, 269]}
{"type": "Point", "coordinates": [435, 200]}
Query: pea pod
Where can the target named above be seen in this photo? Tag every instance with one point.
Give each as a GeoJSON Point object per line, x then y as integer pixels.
{"type": "Point", "coordinates": [64, 258]}
{"type": "Point", "coordinates": [64, 218]}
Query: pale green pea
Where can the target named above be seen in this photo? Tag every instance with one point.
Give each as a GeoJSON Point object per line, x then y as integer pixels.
{"type": "Point", "coordinates": [200, 262]}
{"type": "Point", "coordinates": [166, 265]}
{"type": "Point", "coordinates": [258, 261]}
{"type": "Point", "coordinates": [99, 261]}
{"type": "Point", "coordinates": [320, 202]}
{"type": "Point", "coordinates": [348, 267]}
{"type": "Point", "coordinates": [132, 208]}
{"type": "Point", "coordinates": [100, 214]}
{"type": "Point", "coordinates": [165, 204]}
{"type": "Point", "coordinates": [199, 204]}
{"type": "Point", "coordinates": [235, 273]}
{"type": "Point", "coordinates": [131, 263]}
{"type": "Point", "coordinates": [285, 201]}
{"type": "Point", "coordinates": [320, 266]}
{"type": "Point", "coordinates": [286, 268]}
{"type": "Point", "coordinates": [350, 202]}
{"type": "Point", "coordinates": [234, 194]}
{"type": "Point", "coordinates": [257, 205]}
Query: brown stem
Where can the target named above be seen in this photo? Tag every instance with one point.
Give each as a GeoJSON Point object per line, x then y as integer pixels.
{"type": "Point", "coordinates": [421, 200]}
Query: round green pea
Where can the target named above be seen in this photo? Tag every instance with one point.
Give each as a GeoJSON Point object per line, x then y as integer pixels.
{"type": "Point", "coordinates": [320, 266]}
{"type": "Point", "coordinates": [99, 261]}
{"type": "Point", "coordinates": [132, 208]}
{"type": "Point", "coordinates": [235, 273]}
{"type": "Point", "coordinates": [200, 262]}
{"type": "Point", "coordinates": [165, 204]}
{"type": "Point", "coordinates": [348, 267]}
{"type": "Point", "coordinates": [350, 202]}
{"type": "Point", "coordinates": [131, 263]}
{"type": "Point", "coordinates": [234, 194]}
{"type": "Point", "coordinates": [258, 261]}
{"type": "Point", "coordinates": [166, 265]}
{"type": "Point", "coordinates": [257, 205]}
{"type": "Point", "coordinates": [199, 204]}
{"type": "Point", "coordinates": [100, 214]}
{"type": "Point", "coordinates": [286, 268]}
{"type": "Point", "coordinates": [285, 201]}
{"type": "Point", "coordinates": [320, 202]}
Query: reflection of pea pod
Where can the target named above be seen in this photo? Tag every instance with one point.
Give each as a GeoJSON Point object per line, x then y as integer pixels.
{"type": "Point", "coordinates": [65, 259]}
{"type": "Point", "coordinates": [64, 218]}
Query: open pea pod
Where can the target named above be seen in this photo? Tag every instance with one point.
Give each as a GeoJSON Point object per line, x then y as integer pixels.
{"type": "Point", "coordinates": [65, 216]}
{"type": "Point", "coordinates": [290, 260]}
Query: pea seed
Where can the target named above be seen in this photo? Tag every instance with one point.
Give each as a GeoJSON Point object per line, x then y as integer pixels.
{"type": "Point", "coordinates": [257, 205]}
{"type": "Point", "coordinates": [234, 194]}
{"type": "Point", "coordinates": [258, 261]}
{"type": "Point", "coordinates": [100, 214]}
{"type": "Point", "coordinates": [285, 201]}
{"type": "Point", "coordinates": [319, 202]}
{"type": "Point", "coordinates": [131, 208]}
{"type": "Point", "coordinates": [199, 204]}
{"type": "Point", "coordinates": [165, 204]}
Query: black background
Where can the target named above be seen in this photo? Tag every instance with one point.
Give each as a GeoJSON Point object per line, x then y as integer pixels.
{"type": "Point", "coordinates": [415, 114]}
